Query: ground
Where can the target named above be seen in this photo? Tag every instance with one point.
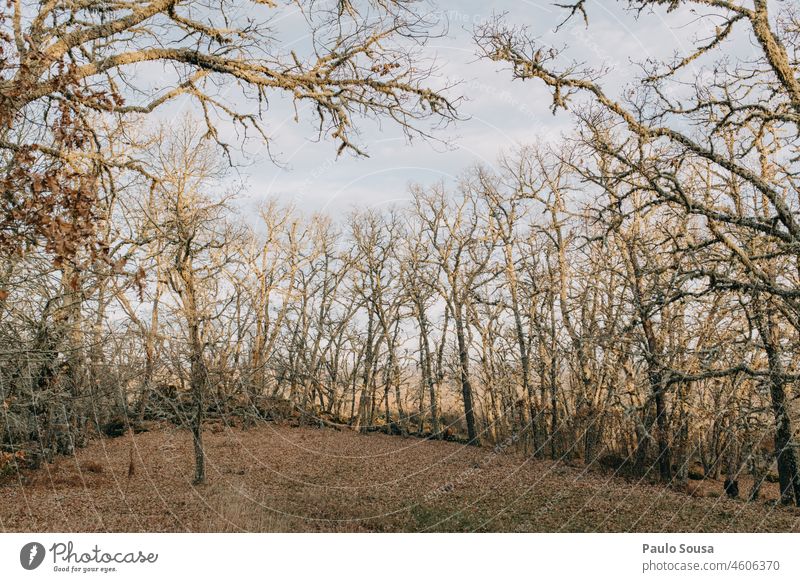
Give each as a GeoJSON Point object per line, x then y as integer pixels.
{"type": "Point", "coordinates": [281, 478]}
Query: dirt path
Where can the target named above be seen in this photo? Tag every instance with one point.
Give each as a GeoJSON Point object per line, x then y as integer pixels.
{"type": "Point", "coordinates": [302, 479]}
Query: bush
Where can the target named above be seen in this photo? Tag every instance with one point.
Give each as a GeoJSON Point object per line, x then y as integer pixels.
{"type": "Point", "coordinates": [696, 473]}
{"type": "Point", "coordinates": [10, 462]}
{"type": "Point", "coordinates": [116, 427]}
{"type": "Point", "coordinates": [612, 461]}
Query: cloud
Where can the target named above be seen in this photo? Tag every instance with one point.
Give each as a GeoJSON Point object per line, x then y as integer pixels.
{"type": "Point", "coordinates": [499, 113]}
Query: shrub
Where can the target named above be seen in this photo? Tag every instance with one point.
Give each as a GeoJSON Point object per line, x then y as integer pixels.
{"type": "Point", "coordinates": [696, 473]}
{"type": "Point", "coordinates": [10, 462]}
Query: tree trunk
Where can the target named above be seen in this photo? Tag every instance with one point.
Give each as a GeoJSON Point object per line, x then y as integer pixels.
{"type": "Point", "coordinates": [466, 387]}
{"type": "Point", "coordinates": [198, 381]}
{"type": "Point", "coordinates": [787, 460]}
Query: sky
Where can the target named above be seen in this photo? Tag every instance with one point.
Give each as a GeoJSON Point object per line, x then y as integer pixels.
{"type": "Point", "coordinates": [497, 114]}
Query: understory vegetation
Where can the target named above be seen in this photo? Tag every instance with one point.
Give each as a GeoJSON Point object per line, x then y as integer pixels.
{"type": "Point", "coordinates": [628, 298]}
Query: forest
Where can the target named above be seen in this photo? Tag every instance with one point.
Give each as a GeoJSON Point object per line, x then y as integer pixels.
{"type": "Point", "coordinates": [626, 297]}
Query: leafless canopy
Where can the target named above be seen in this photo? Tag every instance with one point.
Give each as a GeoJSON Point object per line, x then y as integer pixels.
{"type": "Point", "coordinates": [63, 65]}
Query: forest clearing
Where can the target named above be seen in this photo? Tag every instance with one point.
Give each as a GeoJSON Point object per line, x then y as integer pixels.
{"type": "Point", "coordinates": [303, 479]}
{"type": "Point", "coordinates": [399, 266]}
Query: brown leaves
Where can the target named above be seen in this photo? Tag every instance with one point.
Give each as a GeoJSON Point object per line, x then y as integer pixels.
{"type": "Point", "coordinates": [9, 462]}
{"type": "Point", "coordinates": [324, 480]}
{"type": "Point", "coordinates": [49, 190]}
{"type": "Point", "coordinates": [47, 203]}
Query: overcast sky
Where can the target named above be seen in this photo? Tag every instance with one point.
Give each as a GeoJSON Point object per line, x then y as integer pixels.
{"type": "Point", "coordinates": [499, 114]}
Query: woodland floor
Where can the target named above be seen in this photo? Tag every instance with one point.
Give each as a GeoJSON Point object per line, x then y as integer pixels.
{"type": "Point", "coordinates": [280, 478]}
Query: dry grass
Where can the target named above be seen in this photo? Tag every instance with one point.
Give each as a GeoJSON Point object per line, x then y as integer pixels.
{"type": "Point", "coordinates": [277, 478]}
{"type": "Point", "coordinates": [91, 467]}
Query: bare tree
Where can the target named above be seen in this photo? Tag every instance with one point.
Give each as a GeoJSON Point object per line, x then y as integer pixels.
{"type": "Point", "coordinates": [462, 248]}
{"type": "Point", "coordinates": [68, 64]}
{"type": "Point", "coordinates": [723, 148]}
{"type": "Point", "coordinates": [191, 223]}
